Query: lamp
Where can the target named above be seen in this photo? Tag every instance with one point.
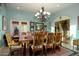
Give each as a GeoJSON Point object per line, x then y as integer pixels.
{"type": "Point", "coordinates": [42, 15]}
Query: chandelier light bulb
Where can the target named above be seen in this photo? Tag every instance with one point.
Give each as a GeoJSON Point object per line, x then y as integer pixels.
{"type": "Point", "coordinates": [41, 10]}
{"type": "Point", "coordinates": [44, 12]}
{"type": "Point", "coordinates": [18, 8]}
{"type": "Point", "coordinates": [48, 13]}
{"type": "Point", "coordinates": [37, 17]}
{"type": "Point", "coordinates": [58, 5]}
{"type": "Point", "coordinates": [37, 13]}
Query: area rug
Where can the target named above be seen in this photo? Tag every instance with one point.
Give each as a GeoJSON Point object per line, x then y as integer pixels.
{"type": "Point", "coordinates": [62, 52]}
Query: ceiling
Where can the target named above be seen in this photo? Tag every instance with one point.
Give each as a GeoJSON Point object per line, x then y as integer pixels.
{"type": "Point", "coordinates": [35, 7]}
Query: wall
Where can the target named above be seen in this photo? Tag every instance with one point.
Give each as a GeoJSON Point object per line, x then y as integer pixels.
{"type": "Point", "coordinates": [72, 12]}
{"type": "Point", "coordinates": [2, 13]}
{"type": "Point", "coordinates": [18, 15]}
{"type": "Point", "coordinates": [21, 15]}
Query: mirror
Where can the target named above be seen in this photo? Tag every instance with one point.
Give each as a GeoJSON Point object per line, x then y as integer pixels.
{"type": "Point", "coordinates": [64, 27]}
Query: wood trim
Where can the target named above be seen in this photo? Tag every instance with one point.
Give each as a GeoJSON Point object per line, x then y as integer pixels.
{"type": "Point", "coordinates": [15, 22]}
{"type": "Point", "coordinates": [24, 23]}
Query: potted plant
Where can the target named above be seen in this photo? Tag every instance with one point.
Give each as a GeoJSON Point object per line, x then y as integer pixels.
{"type": "Point", "coordinates": [16, 31]}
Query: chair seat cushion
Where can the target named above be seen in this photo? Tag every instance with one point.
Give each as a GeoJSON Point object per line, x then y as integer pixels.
{"type": "Point", "coordinates": [57, 42]}
{"type": "Point", "coordinates": [15, 47]}
{"type": "Point", "coordinates": [39, 46]}
{"type": "Point", "coordinates": [48, 45]}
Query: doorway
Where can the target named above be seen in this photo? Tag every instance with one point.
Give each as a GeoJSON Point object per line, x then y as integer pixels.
{"type": "Point", "coordinates": [63, 27]}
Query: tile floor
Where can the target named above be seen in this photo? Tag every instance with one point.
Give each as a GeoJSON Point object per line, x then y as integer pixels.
{"type": "Point", "coordinates": [4, 51]}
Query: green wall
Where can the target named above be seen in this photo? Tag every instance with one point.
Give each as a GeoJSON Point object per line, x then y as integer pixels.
{"type": "Point", "coordinates": [2, 13]}
{"type": "Point", "coordinates": [22, 15]}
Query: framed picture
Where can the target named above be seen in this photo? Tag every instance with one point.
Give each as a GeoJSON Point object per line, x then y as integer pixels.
{"type": "Point", "coordinates": [4, 23]}
{"type": "Point", "coordinates": [78, 23]}
{"type": "Point", "coordinates": [31, 26]}
{"type": "Point", "coordinates": [31, 23]}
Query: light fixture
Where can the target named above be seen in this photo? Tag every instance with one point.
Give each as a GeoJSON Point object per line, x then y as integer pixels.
{"type": "Point", "coordinates": [58, 5]}
{"type": "Point", "coordinates": [18, 8]}
{"type": "Point", "coordinates": [42, 15]}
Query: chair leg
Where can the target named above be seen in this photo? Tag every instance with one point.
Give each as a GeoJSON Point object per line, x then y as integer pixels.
{"type": "Point", "coordinates": [44, 50]}
{"type": "Point", "coordinates": [33, 52]}
{"type": "Point", "coordinates": [54, 48]}
{"type": "Point", "coordinates": [30, 51]}
{"type": "Point", "coordinates": [11, 52]}
{"type": "Point", "coordinates": [24, 49]}
{"type": "Point", "coordinates": [59, 48]}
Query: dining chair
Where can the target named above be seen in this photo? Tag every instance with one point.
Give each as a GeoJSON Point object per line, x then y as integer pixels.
{"type": "Point", "coordinates": [50, 42]}
{"type": "Point", "coordinates": [58, 39]}
{"type": "Point", "coordinates": [12, 44]}
{"type": "Point", "coordinates": [37, 43]}
{"type": "Point", "coordinates": [44, 38]}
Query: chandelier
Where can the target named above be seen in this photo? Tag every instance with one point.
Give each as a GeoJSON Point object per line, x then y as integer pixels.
{"type": "Point", "coordinates": [42, 15]}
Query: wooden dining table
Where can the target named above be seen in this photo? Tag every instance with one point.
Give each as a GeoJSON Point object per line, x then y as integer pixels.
{"type": "Point", "coordinates": [24, 43]}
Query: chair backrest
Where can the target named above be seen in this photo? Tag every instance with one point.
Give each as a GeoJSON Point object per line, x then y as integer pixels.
{"type": "Point", "coordinates": [50, 38]}
{"type": "Point", "coordinates": [29, 35]}
{"type": "Point", "coordinates": [23, 35]}
{"type": "Point", "coordinates": [58, 37]}
{"type": "Point", "coordinates": [8, 38]}
{"type": "Point", "coordinates": [45, 37]}
{"type": "Point", "coordinates": [38, 39]}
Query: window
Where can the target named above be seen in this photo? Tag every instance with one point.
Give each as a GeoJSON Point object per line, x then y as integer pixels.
{"type": "Point", "coordinates": [52, 29]}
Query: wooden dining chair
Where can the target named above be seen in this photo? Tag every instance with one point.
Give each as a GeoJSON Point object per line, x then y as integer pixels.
{"type": "Point", "coordinates": [29, 36]}
{"type": "Point", "coordinates": [58, 38]}
{"type": "Point", "coordinates": [12, 44]}
{"type": "Point", "coordinates": [37, 43]}
{"type": "Point", "coordinates": [44, 36]}
{"type": "Point", "coordinates": [50, 41]}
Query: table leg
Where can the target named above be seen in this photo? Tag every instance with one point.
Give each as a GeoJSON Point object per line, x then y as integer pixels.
{"type": "Point", "coordinates": [30, 51]}
{"type": "Point", "coordinates": [24, 49]}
